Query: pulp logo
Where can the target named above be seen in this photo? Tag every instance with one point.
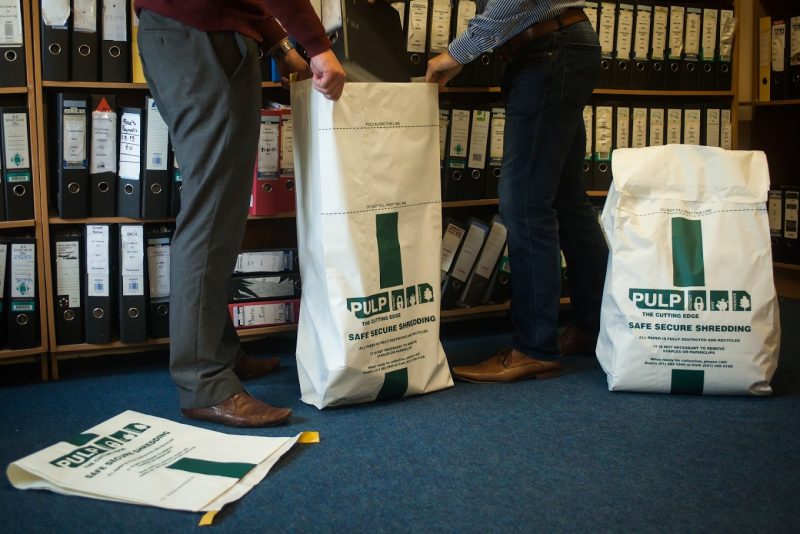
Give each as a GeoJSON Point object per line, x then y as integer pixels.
{"type": "Point", "coordinates": [91, 445]}
{"type": "Point", "coordinates": [390, 269]}
{"type": "Point", "coordinates": [688, 270]}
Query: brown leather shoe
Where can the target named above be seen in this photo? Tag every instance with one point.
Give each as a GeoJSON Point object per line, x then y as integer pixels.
{"type": "Point", "coordinates": [240, 410]}
{"type": "Point", "coordinates": [248, 367]}
{"type": "Point", "coordinates": [572, 341]}
{"type": "Point", "coordinates": [508, 366]}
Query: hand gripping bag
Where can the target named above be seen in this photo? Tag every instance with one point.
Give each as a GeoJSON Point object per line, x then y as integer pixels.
{"type": "Point", "coordinates": [689, 303]}
{"type": "Point", "coordinates": [369, 241]}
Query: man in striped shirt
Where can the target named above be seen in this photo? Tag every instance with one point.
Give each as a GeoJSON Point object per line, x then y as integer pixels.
{"type": "Point", "coordinates": [552, 60]}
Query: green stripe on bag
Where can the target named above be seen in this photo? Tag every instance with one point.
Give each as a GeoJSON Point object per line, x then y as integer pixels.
{"type": "Point", "coordinates": [687, 253]}
{"type": "Point", "coordinates": [687, 382]}
{"type": "Point", "coordinates": [207, 467]}
{"type": "Point", "coordinates": [395, 384]}
{"type": "Point", "coordinates": [389, 263]}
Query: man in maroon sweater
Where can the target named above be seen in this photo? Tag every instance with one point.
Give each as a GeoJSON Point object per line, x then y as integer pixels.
{"type": "Point", "coordinates": [200, 59]}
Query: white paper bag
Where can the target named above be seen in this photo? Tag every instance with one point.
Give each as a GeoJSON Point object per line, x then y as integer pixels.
{"type": "Point", "coordinates": [689, 303]}
{"type": "Point", "coordinates": [140, 459]}
{"type": "Point", "coordinates": [369, 240]}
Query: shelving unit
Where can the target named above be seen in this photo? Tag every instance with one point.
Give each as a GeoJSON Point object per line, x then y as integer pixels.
{"type": "Point", "coordinates": [263, 231]}
{"type": "Point", "coordinates": [18, 96]}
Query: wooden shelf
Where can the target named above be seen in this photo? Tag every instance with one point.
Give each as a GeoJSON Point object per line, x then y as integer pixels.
{"type": "Point", "coordinates": [786, 266]}
{"type": "Point", "coordinates": [93, 85]}
{"type": "Point", "coordinates": [13, 90]}
{"type": "Point", "coordinates": [644, 93]}
{"type": "Point", "coordinates": [772, 103]}
{"type": "Point", "coordinates": [127, 220]}
{"type": "Point", "coordinates": [28, 223]}
{"type": "Point", "coordinates": [471, 90]}
{"type": "Point", "coordinates": [12, 354]}
{"type": "Point", "coordinates": [470, 203]}
{"type": "Point", "coordinates": [597, 193]}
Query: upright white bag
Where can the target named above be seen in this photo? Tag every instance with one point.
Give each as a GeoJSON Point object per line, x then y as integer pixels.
{"type": "Point", "coordinates": [369, 242]}
{"type": "Point", "coordinates": [689, 303]}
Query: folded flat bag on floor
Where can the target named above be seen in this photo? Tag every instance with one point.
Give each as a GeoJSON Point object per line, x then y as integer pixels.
{"type": "Point", "coordinates": [689, 303]}
{"type": "Point", "coordinates": [369, 242]}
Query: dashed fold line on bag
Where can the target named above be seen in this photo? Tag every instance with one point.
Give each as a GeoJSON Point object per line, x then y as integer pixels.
{"type": "Point", "coordinates": [380, 208]}
{"type": "Point", "coordinates": [389, 127]}
{"type": "Point", "coordinates": [675, 211]}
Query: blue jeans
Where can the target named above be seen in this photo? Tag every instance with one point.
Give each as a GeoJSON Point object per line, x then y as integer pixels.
{"type": "Point", "coordinates": [543, 202]}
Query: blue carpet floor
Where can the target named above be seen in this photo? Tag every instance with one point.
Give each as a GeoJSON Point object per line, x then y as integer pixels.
{"type": "Point", "coordinates": [555, 455]}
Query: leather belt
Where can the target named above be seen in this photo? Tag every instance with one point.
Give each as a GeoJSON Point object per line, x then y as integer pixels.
{"type": "Point", "coordinates": [569, 17]}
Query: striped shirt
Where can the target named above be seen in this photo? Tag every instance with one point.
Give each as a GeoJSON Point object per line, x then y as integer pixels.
{"type": "Point", "coordinates": [500, 20]}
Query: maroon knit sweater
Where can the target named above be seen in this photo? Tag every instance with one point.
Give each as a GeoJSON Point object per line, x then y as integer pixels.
{"type": "Point", "coordinates": [255, 18]}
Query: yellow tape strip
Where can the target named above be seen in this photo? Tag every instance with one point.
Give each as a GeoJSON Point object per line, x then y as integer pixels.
{"type": "Point", "coordinates": [308, 437]}
{"type": "Point", "coordinates": [207, 519]}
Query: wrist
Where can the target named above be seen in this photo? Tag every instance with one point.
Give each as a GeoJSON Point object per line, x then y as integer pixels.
{"type": "Point", "coordinates": [280, 49]}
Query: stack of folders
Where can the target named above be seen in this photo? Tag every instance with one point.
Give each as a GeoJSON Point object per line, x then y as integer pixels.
{"type": "Point", "coordinates": [19, 305]}
{"type": "Point", "coordinates": [273, 178]}
{"type": "Point", "coordinates": [430, 25]}
{"type": "Point", "coordinates": [779, 56]}
{"type": "Point", "coordinates": [664, 45]}
{"type": "Point", "coordinates": [111, 281]}
{"type": "Point", "coordinates": [91, 40]}
{"type": "Point", "coordinates": [265, 289]}
{"type": "Point", "coordinates": [474, 263]}
{"type": "Point", "coordinates": [612, 125]}
{"type": "Point", "coordinates": [12, 45]}
{"type": "Point", "coordinates": [111, 161]}
{"type": "Point", "coordinates": [470, 150]}
{"type": "Point", "coordinates": [16, 192]}
{"type": "Point", "coordinates": [782, 209]}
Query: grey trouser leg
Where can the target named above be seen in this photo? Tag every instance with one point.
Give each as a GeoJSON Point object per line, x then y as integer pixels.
{"type": "Point", "coordinates": [208, 89]}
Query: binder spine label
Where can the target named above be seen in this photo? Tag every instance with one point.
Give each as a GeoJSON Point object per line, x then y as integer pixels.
{"type": "Point", "coordinates": [253, 315]}
{"type": "Point", "coordinates": [130, 140]}
{"type": "Point", "coordinates": [606, 35]}
{"type": "Point", "coordinates": [264, 261]}
{"type": "Point", "coordinates": [790, 214]}
{"type": "Point", "coordinates": [673, 126]}
{"type": "Point", "coordinates": [469, 252]}
{"type": "Point", "coordinates": [642, 41]}
{"type": "Point", "coordinates": [444, 121]}
{"type": "Point", "coordinates": [287, 145]}
{"type": "Point", "coordinates": [480, 135]}
{"type": "Point", "coordinates": [710, 19]}
{"type": "Point", "coordinates": [440, 26]}
{"type": "Point", "coordinates": [727, 25]}
{"type": "Point", "coordinates": [491, 250]}
{"type": "Point", "coordinates": [23, 270]}
{"type": "Point", "coordinates": [465, 13]}
{"type": "Point", "coordinates": [691, 132]}
{"type": "Point", "coordinates": [778, 45]}
{"type": "Point", "coordinates": [115, 26]}
{"type": "Point", "coordinates": [3, 258]}
{"type": "Point", "coordinates": [68, 272]}
{"type": "Point", "coordinates": [55, 13]}
{"type": "Point", "coordinates": [104, 147]}
{"type": "Point", "coordinates": [726, 133]}
{"type": "Point", "coordinates": [694, 20]}
{"type": "Point", "coordinates": [624, 30]}
{"type": "Point", "coordinates": [498, 127]}
{"type": "Point", "coordinates": [639, 134]}
{"type": "Point", "coordinates": [157, 139]}
{"type": "Point", "coordinates": [85, 16]}
{"type": "Point", "coordinates": [712, 127]}
{"type": "Point", "coordinates": [452, 238]}
{"type": "Point", "coordinates": [132, 260]}
{"type": "Point", "coordinates": [590, 8]}
{"type": "Point", "coordinates": [676, 14]}
{"type": "Point", "coordinates": [158, 270]}
{"type": "Point", "coordinates": [656, 127]}
{"type": "Point", "coordinates": [623, 131]}
{"type": "Point", "coordinates": [417, 26]}
{"type": "Point", "coordinates": [660, 18]}
{"type": "Point", "coordinates": [775, 213]}
{"type": "Point", "coordinates": [11, 24]}
{"type": "Point", "coordinates": [794, 41]}
{"type": "Point", "coordinates": [459, 133]}
{"type": "Point", "coordinates": [97, 266]}
{"type": "Point", "coordinates": [74, 135]}
{"type": "Point", "coordinates": [268, 147]}
{"type": "Point", "coordinates": [603, 132]}
{"type": "Point", "coordinates": [15, 141]}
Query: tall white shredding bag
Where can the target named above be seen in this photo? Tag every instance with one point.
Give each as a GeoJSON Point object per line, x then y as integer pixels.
{"type": "Point", "coordinates": [369, 241]}
{"type": "Point", "coordinates": [689, 303]}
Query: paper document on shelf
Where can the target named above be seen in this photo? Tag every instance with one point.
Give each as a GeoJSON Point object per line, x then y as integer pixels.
{"type": "Point", "coordinates": [140, 459]}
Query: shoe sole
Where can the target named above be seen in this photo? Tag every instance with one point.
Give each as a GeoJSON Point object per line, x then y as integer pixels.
{"type": "Point", "coordinates": [226, 422]}
{"type": "Point", "coordinates": [539, 376]}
